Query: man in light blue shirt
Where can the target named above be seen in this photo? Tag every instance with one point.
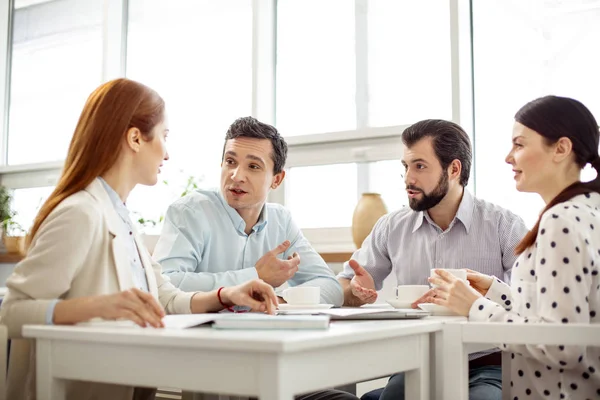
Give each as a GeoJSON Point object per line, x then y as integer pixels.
{"type": "Point", "coordinates": [214, 238]}
{"type": "Point", "coordinates": [444, 227]}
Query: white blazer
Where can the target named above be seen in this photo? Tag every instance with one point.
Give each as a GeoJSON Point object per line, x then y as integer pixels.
{"type": "Point", "coordinates": [79, 250]}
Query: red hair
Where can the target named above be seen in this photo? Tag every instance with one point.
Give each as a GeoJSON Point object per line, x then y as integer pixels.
{"type": "Point", "coordinates": [109, 112]}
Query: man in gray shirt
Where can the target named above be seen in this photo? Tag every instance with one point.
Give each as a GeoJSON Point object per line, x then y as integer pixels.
{"type": "Point", "coordinates": [445, 227]}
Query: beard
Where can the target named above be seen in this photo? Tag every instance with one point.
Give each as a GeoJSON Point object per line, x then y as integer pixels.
{"type": "Point", "coordinates": [432, 199]}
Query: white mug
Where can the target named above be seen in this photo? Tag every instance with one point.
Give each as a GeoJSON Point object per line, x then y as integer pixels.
{"type": "Point", "coordinates": [304, 295]}
{"type": "Point", "coordinates": [458, 273]}
{"type": "Point", "coordinates": [410, 293]}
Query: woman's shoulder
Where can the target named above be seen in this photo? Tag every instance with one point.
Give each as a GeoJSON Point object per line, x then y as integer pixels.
{"type": "Point", "coordinates": [79, 205]}
{"type": "Point", "coordinates": [578, 212]}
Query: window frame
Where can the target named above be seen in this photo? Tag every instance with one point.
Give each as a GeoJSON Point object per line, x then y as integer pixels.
{"type": "Point", "coordinates": [363, 145]}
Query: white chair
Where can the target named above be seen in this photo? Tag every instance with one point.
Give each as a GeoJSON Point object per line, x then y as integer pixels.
{"type": "Point", "coordinates": [460, 337]}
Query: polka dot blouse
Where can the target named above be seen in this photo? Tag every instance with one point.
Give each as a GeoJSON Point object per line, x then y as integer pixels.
{"type": "Point", "coordinates": [554, 281]}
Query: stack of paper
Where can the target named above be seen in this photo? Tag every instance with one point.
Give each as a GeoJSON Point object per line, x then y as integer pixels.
{"type": "Point", "coordinates": [352, 313]}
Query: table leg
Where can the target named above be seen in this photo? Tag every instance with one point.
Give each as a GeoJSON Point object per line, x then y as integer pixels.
{"type": "Point", "coordinates": [436, 348]}
{"type": "Point", "coordinates": [271, 380]}
{"type": "Point", "coordinates": [455, 364]}
{"type": "Point", "coordinates": [506, 375]}
{"type": "Point", "coordinates": [48, 387]}
{"type": "Point", "coordinates": [417, 380]}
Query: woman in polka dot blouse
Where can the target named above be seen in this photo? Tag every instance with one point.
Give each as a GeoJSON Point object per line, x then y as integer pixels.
{"type": "Point", "coordinates": [555, 279]}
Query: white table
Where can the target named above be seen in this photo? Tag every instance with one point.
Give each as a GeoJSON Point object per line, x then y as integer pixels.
{"type": "Point", "coordinates": [459, 339]}
{"type": "Point", "coordinates": [273, 365]}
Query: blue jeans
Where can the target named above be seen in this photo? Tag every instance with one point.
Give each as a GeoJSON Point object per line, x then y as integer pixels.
{"type": "Point", "coordinates": [485, 383]}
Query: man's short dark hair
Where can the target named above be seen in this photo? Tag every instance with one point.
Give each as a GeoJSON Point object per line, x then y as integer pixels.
{"type": "Point", "coordinates": [252, 128]}
{"type": "Point", "coordinates": [450, 142]}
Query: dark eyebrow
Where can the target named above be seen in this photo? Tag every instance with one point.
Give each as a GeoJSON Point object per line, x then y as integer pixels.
{"type": "Point", "coordinates": [255, 158]}
{"type": "Point", "coordinates": [249, 156]}
{"type": "Point", "coordinates": [416, 160]}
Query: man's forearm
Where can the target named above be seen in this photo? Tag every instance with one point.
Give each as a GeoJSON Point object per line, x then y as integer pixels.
{"type": "Point", "coordinates": [207, 281]}
{"type": "Point", "coordinates": [350, 300]}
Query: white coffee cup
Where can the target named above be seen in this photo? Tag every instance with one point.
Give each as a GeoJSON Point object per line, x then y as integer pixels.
{"type": "Point", "coordinates": [410, 293]}
{"type": "Point", "coordinates": [304, 295]}
{"type": "Point", "coordinates": [458, 273]}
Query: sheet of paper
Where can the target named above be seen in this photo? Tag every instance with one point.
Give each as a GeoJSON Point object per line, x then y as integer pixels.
{"type": "Point", "coordinates": [341, 312]}
{"type": "Point", "coordinates": [179, 321]}
{"type": "Point", "coordinates": [183, 321]}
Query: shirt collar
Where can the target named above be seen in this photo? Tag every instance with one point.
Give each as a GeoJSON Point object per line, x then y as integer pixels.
{"type": "Point", "coordinates": [115, 199]}
{"type": "Point", "coordinates": [465, 210]}
{"type": "Point", "coordinates": [238, 221]}
{"type": "Point", "coordinates": [464, 213]}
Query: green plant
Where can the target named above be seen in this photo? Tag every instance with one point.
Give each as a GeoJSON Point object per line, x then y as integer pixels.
{"type": "Point", "coordinates": [5, 201]}
{"type": "Point", "coordinates": [148, 223]}
{"type": "Point", "coordinates": [7, 215]}
{"type": "Point", "coordinates": [188, 184]}
{"type": "Point", "coordinates": [12, 228]}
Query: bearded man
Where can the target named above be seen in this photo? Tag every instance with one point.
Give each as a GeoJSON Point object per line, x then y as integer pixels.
{"type": "Point", "coordinates": [445, 226]}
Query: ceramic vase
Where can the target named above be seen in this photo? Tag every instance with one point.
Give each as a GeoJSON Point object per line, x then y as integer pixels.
{"type": "Point", "coordinates": [369, 209]}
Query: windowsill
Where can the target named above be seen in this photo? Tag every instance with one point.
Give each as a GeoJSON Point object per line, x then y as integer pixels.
{"type": "Point", "coordinates": [329, 257]}
{"type": "Point", "coordinates": [10, 258]}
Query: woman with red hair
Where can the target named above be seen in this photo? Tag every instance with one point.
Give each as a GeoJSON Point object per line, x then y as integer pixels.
{"type": "Point", "coordinates": [85, 259]}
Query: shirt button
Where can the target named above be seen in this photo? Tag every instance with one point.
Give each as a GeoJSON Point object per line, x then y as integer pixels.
{"type": "Point", "coordinates": [131, 233]}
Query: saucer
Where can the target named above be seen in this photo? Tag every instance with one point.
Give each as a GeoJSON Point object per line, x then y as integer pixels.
{"type": "Point", "coordinates": [434, 309]}
{"type": "Point", "coordinates": [399, 304]}
{"type": "Point", "coordinates": [284, 306]}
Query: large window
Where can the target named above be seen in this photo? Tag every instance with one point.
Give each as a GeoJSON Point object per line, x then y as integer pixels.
{"type": "Point", "coordinates": [56, 63]}
{"type": "Point", "coordinates": [325, 196]}
{"type": "Point", "coordinates": [27, 202]}
{"type": "Point", "coordinates": [322, 195]}
{"type": "Point", "coordinates": [387, 178]}
{"type": "Point", "coordinates": [198, 56]}
{"type": "Point", "coordinates": [315, 66]}
{"type": "Point", "coordinates": [340, 79]}
{"type": "Point", "coordinates": [550, 48]}
{"type": "Point", "coordinates": [409, 76]}
{"type": "Point", "coordinates": [361, 66]}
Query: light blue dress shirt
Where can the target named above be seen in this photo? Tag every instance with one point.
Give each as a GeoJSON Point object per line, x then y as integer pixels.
{"type": "Point", "coordinates": [203, 246]}
{"type": "Point", "coordinates": [137, 269]}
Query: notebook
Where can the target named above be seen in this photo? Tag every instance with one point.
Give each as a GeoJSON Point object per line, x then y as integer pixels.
{"type": "Point", "coordinates": [351, 313]}
{"type": "Point", "coordinates": [264, 321]}
{"type": "Point", "coordinates": [226, 321]}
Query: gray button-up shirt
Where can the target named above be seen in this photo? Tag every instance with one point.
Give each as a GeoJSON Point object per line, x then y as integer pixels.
{"type": "Point", "coordinates": [482, 236]}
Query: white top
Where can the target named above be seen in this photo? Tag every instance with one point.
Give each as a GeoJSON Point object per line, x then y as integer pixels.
{"type": "Point", "coordinates": [556, 280]}
{"type": "Point", "coordinates": [250, 341]}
